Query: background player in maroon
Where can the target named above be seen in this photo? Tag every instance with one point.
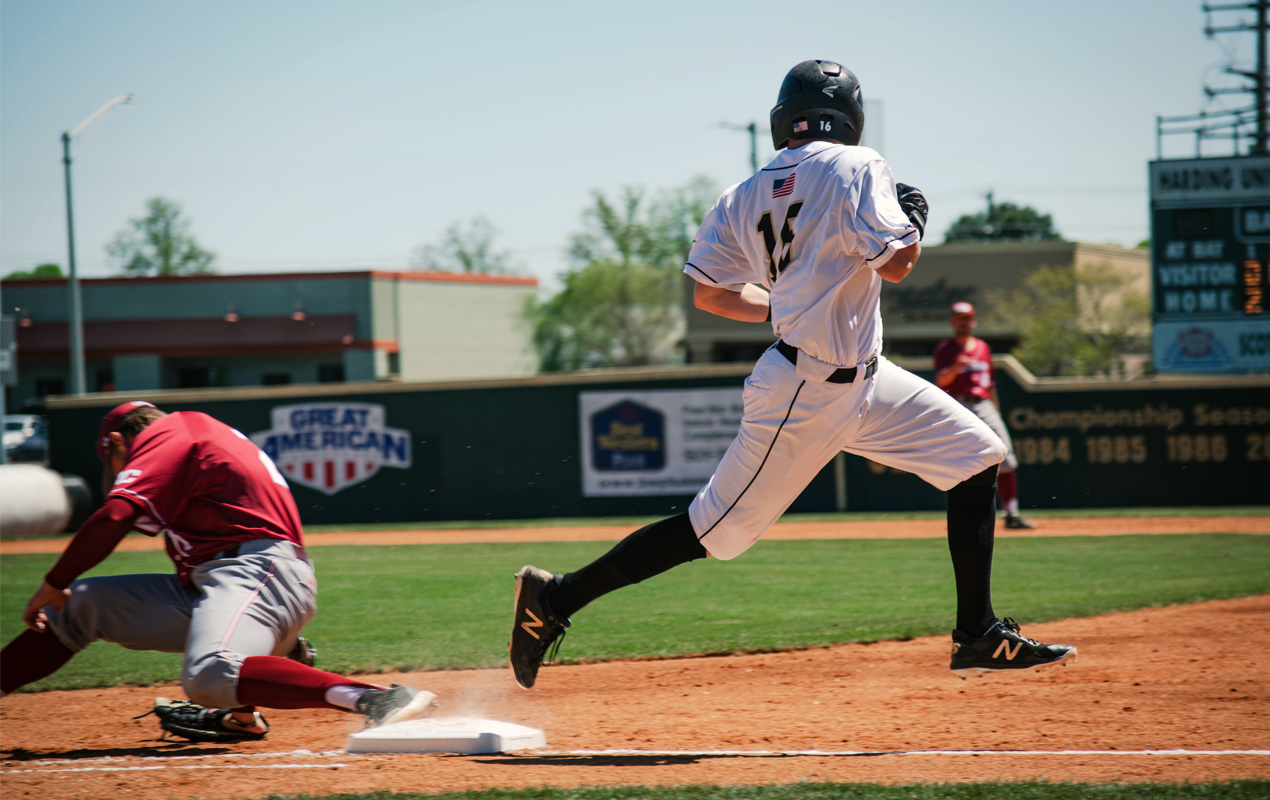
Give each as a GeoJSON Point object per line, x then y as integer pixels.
{"type": "Point", "coordinates": [963, 368]}
{"type": "Point", "coordinates": [242, 592]}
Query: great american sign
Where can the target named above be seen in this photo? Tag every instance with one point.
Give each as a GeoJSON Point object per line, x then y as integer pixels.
{"type": "Point", "coordinates": [332, 446]}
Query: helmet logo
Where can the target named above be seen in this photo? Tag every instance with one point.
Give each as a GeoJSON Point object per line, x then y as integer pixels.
{"type": "Point", "coordinates": [829, 90]}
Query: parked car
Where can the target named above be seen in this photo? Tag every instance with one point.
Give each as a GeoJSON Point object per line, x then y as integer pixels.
{"type": "Point", "coordinates": [26, 439]}
{"type": "Point", "coordinates": [18, 428]}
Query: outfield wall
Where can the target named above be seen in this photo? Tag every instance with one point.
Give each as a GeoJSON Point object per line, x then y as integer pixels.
{"type": "Point", "coordinates": [514, 449]}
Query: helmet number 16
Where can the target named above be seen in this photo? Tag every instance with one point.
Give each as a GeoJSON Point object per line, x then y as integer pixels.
{"type": "Point", "coordinates": [774, 266]}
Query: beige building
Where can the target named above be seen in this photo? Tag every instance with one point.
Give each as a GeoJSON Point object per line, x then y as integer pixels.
{"type": "Point", "coordinates": [206, 331]}
{"type": "Point", "coordinates": [915, 312]}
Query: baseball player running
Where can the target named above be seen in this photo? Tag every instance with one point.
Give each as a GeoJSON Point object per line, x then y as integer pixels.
{"type": "Point", "coordinates": [806, 244]}
{"type": "Point", "coordinates": [242, 592]}
{"type": "Point", "coordinates": [963, 368]}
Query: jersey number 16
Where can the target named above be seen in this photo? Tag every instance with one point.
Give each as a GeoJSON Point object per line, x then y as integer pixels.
{"type": "Point", "coordinates": [774, 267]}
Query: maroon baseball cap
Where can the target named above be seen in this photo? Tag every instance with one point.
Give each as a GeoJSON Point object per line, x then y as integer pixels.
{"type": "Point", "coordinates": [110, 424]}
{"type": "Point", "coordinates": [963, 308]}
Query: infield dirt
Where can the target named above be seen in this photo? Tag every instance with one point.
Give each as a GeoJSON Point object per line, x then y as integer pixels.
{"type": "Point", "coordinates": [867, 529]}
{"type": "Point", "coordinates": [1181, 677]}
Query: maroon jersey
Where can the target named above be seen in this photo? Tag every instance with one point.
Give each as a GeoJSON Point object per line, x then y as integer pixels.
{"type": "Point", "coordinates": [975, 379]}
{"type": "Point", "coordinates": [204, 486]}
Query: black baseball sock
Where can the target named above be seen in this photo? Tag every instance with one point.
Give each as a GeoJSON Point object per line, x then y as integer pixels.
{"type": "Point", "coordinates": [971, 517]}
{"type": "Point", "coordinates": [649, 551]}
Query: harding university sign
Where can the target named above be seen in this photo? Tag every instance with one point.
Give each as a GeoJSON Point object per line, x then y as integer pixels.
{"type": "Point", "coordinates": [332, 446]}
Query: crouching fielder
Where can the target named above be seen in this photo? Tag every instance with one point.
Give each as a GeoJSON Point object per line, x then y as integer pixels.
{"type": "Point", "coordinates": [242, 592]}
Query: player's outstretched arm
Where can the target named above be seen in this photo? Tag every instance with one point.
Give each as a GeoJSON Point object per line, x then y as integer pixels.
{"type": "Point", "coordinates": [95, 539]}
{"type": "Point", "coordinates": [748, 305]}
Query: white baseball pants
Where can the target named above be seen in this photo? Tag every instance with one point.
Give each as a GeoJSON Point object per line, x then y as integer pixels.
{"type": "Point", "coordinates": [987, 411]}
{"type": "Point", "coordinates": [794, 426]}
{"type": "Point", "coordinates": [254, 604]}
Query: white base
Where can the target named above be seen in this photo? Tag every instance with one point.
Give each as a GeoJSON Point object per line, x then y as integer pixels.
{"type": "Point", "coordinates": [467, 735]}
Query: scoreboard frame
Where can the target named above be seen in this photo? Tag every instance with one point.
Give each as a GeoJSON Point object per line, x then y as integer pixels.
{"type": "Point", "coordinates": [1210, 264]}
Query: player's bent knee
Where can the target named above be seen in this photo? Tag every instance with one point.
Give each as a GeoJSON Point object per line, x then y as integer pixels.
{"type": "Point", "coordinates": [983, 479]}
{"type": "Point", "coordinates": [212, 680]}
{"type": "Point", "coordinates": [77, 624]}
{"type": "Point", "coordinates": [728, 544]}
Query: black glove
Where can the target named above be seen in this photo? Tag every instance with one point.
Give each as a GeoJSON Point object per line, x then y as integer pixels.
{"type": "Point", "coordinates": [913, 204]}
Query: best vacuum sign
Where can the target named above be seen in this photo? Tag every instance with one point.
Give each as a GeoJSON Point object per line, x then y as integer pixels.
{"type": "Point", "coordinates": [655, 442]}
{"type": "Point", "coordinates": [332, 446]}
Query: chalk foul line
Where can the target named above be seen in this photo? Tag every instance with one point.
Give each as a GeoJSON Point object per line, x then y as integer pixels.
{"type": "Point", "coordinates": [174, 766]}
{"type": "Point", "coordinates": [609, 752]}
{"type": "Point", "coordinates": [824, 753]}
{"type": "Point", "coordinates": [186, 757]}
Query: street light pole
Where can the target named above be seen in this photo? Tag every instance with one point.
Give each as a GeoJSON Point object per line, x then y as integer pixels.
{"type": "Point", "coordinates": [77, 305]}
{"type": "Point", "coordinates": [78, 381]}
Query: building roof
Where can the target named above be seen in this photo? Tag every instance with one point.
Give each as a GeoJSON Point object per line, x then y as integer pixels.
{"type": "Point", "coordinates": [403, 275]}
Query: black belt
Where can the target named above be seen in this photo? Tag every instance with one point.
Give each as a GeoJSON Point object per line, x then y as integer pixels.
{"type": "Point", "coordinates": [844, 375]}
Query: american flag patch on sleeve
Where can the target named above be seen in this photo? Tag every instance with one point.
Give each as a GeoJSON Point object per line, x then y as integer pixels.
{"type": "Point", "coordinates": [783, 187]}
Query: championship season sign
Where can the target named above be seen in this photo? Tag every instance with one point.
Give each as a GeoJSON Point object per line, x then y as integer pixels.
{"type": "Point", "coordinates": [661, 442]}
{"type": "Point", "coordinates": [332, 446]}
{"type": "Point", "coordinates": [1210, 247]}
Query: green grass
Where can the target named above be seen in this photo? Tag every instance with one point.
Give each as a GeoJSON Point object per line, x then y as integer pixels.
{"type": "Point", "coordinates": [448, 606]}
{"type": "Point", "coordinates": [854, 791]}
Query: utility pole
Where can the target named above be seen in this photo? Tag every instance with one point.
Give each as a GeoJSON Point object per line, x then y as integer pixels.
{"type": "Point", "coordinates": [752, 129]}
{"type": "Point", "coordinates": [78, 372]}
{"type": "Point", "coordinates": [1233, 120]}
{"type": "Point", "coordinates": [1262, 144]}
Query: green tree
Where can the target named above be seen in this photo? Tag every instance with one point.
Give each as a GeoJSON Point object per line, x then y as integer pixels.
{"type": "Point", "coordinates": [620, 302]}
{"type": "Point", "coordinates": [1002, 222]}
{"type": "Point", "coordinates": [40, 272]}
{"type": "Point", "coordinates": [464, 247]}
{"type": "Point", "coordinates": [1076, 321]}
{"type": "Point", "coordinates": [160, 244]}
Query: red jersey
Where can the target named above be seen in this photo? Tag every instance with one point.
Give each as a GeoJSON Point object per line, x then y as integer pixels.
{"type": "Point", "coordinates": [975, 379]}
{"type": "Point", "coordinates": [204, 486]}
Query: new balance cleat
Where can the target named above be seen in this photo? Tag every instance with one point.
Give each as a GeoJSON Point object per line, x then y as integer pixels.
{"type": "Point", "coordinates": [1002, 648]}
{"type": "Point", "coordinates": [535, 626]}
{"type": "Point", "coordinates": [396, 704]}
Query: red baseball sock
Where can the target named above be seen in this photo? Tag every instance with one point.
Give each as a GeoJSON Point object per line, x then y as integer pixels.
{"type": "Point", "coordinates": [29, 657]}
{"type": "Point", "coordinates": [1008, 488]}
{"type": "Point", "coordinates": [274, 682]}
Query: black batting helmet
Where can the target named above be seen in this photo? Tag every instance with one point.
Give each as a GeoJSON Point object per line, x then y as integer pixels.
{"type": "Point", "coordinates": [818, 99]}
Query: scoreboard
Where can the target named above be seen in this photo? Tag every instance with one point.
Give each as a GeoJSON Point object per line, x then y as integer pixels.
{"type": "Point", "coordinates": [1210, 251]}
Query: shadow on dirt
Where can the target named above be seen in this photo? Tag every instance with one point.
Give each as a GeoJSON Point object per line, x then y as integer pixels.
{"type": "Point", "coordinates": [650, 760]}
{"type": "Point", "coordinates": [168, 751]}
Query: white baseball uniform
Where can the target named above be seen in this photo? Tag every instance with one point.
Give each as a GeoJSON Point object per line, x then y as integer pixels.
{"type": "Point", "coordinates": [813, 227]}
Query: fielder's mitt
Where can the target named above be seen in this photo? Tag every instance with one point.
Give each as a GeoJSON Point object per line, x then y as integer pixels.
{"type": "Point", "coordinates": [913, 204]}
{"type": "Point", "coordinates": [198, 724]}
{"type": "Point", "coordinates": [304, 652]}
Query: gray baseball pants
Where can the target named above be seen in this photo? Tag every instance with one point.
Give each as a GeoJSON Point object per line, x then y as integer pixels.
{"type": "Point", "coordinates": [254, 604]}
{"type": "Point", "coordinates": [986, 410]}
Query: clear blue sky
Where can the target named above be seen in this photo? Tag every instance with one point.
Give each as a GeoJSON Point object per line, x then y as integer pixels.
{"type": "Point", "coordinates": [324, 135]}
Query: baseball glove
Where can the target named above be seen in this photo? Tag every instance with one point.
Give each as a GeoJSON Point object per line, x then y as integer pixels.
{"type": "Point", "coordinates": [913, 204]}
{"type": "Point", "coordinates": [304, 652]}
{"type": "Point", "coordinates": [198, 724]}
